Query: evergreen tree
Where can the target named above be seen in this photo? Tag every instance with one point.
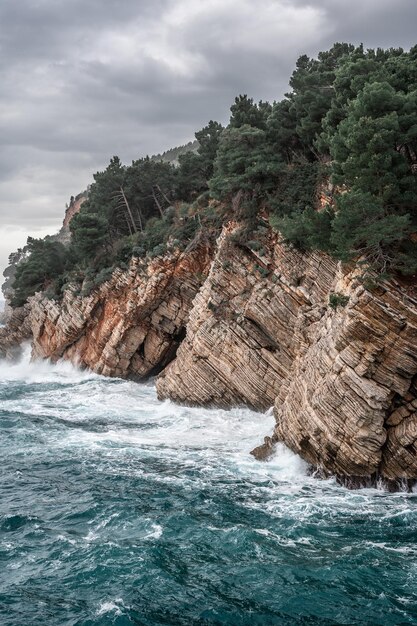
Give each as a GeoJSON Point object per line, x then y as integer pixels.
{"type": "Point", "coordinates": [89, 234]}
{"type": "Point", "coordinates": [208, 139]}
{"type": "Point", "coordinates": [245, 112]}
{"type": "Point", "coordinates": [247, 166]}
{"type": "Point", "coordinates": [191, 177]}
{"type": "Point", "coordinates": [362, 227]}
{"type": "Point", "coordinates": [45, 264]}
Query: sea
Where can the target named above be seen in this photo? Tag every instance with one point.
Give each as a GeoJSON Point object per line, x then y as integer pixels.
{"type": "Point", "coordinates": [118, 509]}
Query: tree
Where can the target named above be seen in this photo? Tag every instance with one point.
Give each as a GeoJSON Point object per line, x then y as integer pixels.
{"type": "Point", "coordinates": [312, 83]}
{"type": "Point", "coordinates": [45, 263]}
{"type": "Point", "coordinates": [245, 112]}
{"type": "Point", "coordinates": [282, 131]}
{"type": "Point", "coordinates": [374, 155]}
{"type": "Point", "coordinates": [89, 234]}
{"type": "Point", "coordinates": [362, 227]}
{"type": "Point", "coordinates": [374, 148]}
{"type": "Point", "coordinates": [208, 139]}
{"type": "Point", "coordinates": [141, 178]}
{"type": "Point", "coordinates": [191, 179]}
{"type": "Point", "coordinates": [245, 166]}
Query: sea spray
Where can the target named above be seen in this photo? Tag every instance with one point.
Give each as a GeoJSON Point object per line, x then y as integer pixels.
{"type": "Point", "coordinates": [116, 508]}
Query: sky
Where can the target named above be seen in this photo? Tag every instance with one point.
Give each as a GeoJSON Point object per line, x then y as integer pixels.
{"type": "Point", "coordinates": [83, 80]}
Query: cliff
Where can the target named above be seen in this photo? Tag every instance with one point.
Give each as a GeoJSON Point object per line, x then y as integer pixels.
{"type": "Point", "coordinates": [342, 380]}
{"type": "Point", "coordinates": [16, 331]}
{"type": "Point", "coordinates": [131, 325]}
{"type": "Point", "coordinates": [73, 208]}
{"type": "Point", "coordinates": [260, 325]}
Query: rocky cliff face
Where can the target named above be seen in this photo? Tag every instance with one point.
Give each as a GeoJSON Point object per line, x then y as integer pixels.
{"type": "Point", "coordinates": [131, 325]}
{"type": "Point", "coordinates": [74, 206]}
{"type": "Point", "coordinates": [16, 331]}
{"type": "Point", "coordinates": [254, 325]}
{"type": "Point", "coordinates": [342, 380]}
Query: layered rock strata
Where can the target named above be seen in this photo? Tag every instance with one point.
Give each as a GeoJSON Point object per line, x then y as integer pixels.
{"type": "Point", "coordinates": [342, 379]}
{"type": "Point", "coordinates": [261, 325]}
{"type": "Point", "coordinates": [131, 325]}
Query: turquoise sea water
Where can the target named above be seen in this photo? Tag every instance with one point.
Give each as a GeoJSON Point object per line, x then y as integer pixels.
{"type": "Point", "coordinates": [119, 509]}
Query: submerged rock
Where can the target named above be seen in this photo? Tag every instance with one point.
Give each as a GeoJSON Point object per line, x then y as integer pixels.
{"type": "Point", "coordinates": [264, 451]}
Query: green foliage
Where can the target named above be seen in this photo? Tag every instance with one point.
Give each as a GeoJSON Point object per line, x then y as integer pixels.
{"type": "Point", "coordinates": [282, 131]}
{"type": "Point", "coordinates": [172, 155]}
{"type": "Point", "coordinates": [313, 90]}
{"type": "Point", "coordinates": [374, 151]}
{"type": "Point", "coordinates": [246, 113]}
{"type": "Point", "coordinates": [255, 245]}
{"type": "Point", "coordinates": [196, 169]}
{"type": "Point", "coordinates": [262, 271]}
{"type": "Point", "coordinates": [158, 250]}
{"type": "Point", "coordinates": [89, 234]}
{"type": "Point", "coordinates": [359, 106]}
{"type": "Point", "coordinates": [42, 269]}
{"type": "Point", "coordinates": [363, 227]}
{"type": "Point", "coordinates": [297, 188]}
{"type": "Point", "coordinates": [307, 230]}
{"type": "Point", "coordinates": [208, 139]}
{"type": "Point", "coordinates": [337, 299]}
{"type": "Point", "coordinates": [121, 201]}
{"type": "Point", "coordinates": [140, 180]}
{"type": "Point", "coordinates": [190, 179]}
{"type": "Point", "coordinates": [185, 229]}
{"type": "Point", "coordinates": [349, 119]}
{"type": "Point", "coordinates": [245, 165]}
{"type": "Point", "coordinates": [103, 275]}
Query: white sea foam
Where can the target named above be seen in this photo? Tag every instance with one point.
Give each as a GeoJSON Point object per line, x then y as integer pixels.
{"type": "Point", "coordinates": [129, 418]}
{"type": "Point", "coordinates": [112, 429]}
{"type": "Point", "coordinates": [41, 371]}
{"type": "Point", "coordinates": [111, 606]}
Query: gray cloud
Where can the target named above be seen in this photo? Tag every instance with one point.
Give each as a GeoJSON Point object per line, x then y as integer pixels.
{"type": "Point", "coordinates": [81, 80]}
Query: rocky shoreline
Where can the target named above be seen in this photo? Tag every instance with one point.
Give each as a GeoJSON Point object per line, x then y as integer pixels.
{"type": "Point", "coordinates": [236, 326]}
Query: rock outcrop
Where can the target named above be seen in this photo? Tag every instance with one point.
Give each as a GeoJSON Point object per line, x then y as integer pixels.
{"type": "Point", "coordinates": [73, 208]}
{"type": "Point", "coordinates": [16, 331]}
{"type": "Point", "coordinates": [131, 325]}
{"type": "Point", "coordinates": [342, 379]}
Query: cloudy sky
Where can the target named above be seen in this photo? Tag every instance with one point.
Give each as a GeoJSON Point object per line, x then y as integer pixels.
{"type": "Point", "coordinates": [82, 80]}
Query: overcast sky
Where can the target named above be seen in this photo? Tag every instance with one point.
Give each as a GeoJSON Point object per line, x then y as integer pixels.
{"type": "Point", "coordinates": [82, 80]}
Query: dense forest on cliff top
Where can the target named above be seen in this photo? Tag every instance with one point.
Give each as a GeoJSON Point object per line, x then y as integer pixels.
{"type": "Point", "coordinates": [332, 166]}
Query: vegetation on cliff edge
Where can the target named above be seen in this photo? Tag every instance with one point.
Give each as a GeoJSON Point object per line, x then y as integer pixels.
{"type": "Point", "coordinates": [333, 164]}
